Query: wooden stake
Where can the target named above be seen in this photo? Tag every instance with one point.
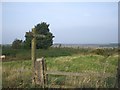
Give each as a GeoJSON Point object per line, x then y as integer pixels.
{"type": "Point", "coordinates": [33, 55]}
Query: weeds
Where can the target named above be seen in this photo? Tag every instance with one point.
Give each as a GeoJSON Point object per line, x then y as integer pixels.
{"type": "Point", "coordinates": [98, 73]}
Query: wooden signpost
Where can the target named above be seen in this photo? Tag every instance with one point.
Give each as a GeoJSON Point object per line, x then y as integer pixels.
{"type": "Point", "coordinates": [37, 65]}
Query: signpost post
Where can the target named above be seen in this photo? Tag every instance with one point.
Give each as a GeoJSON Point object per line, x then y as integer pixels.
{"type": "Point", "coordinates": [36, 80]}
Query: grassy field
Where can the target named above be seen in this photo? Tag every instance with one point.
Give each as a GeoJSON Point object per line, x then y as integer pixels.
{"type": "Point", "coordinates": [25, 54]}
{"type": "Point", "coordinates": [98, 71]}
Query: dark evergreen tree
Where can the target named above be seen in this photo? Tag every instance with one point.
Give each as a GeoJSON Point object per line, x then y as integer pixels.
{"type": "Point", "coordinates": [28, 38]}
{"type": "Point", "coordinates": [43, 43]}
{"type": "Point", "coordinates": [17, 44]}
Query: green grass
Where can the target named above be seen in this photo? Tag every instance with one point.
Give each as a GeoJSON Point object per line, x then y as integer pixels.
{"type": "Point", "coordinates": [25, 54]}
{"type": "Point", "coordinates": [80, 63]}
{"type": "Point", "coordinates": [90, 65]}
{"type": "Point", "coordinates": [18, 73]}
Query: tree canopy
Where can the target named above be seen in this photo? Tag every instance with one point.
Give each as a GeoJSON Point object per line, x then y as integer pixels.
{"type": "Point", "coordinates": [41, 43]}
{"type": "Point", "coordinates": [17, 44]}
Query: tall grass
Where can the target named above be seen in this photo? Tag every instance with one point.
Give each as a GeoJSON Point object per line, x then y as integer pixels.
{"type": "Point", "coordinates": [19, 73]}
{"type": "Point", "coordinates": [97, 71]}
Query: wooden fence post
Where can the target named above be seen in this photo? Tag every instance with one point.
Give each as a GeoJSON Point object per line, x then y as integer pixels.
{"type": "Point", "coordinates": [41, 72]}
{"type": "Point", "coordinates": [45, 74]}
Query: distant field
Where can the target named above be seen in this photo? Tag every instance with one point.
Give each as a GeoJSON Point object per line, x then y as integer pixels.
{"type": "Point", "coordinates": [18, 73]}
{"type": "Point", "coordinates": [25, 54]}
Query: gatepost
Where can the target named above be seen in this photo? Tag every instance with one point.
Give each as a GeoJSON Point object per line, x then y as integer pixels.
{"type": "Point", "coordinates": [37, 65]}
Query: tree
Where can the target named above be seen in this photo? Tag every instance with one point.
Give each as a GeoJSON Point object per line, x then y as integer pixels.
{"type": "Point", "coordinates": [43, 43]}
{"type": "Point", "coordinates": [27, 42]}
{"type": "Point", "coordinates": [17, 44]}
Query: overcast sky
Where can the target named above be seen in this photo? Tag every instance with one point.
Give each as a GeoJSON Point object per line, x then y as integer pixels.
{"type": "Point", "coordinates": [75, 22]}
